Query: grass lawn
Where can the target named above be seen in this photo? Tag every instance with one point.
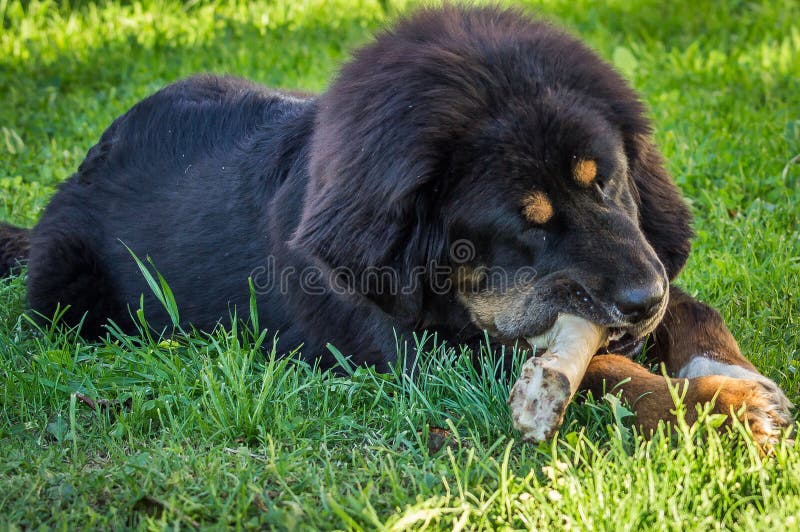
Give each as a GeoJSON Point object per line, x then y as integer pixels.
{"type": "Point", "coordinates": [205, 431]}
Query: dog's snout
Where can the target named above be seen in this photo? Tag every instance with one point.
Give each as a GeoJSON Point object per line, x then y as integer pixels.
{"type": "Point", "coordinates": [640, 302]}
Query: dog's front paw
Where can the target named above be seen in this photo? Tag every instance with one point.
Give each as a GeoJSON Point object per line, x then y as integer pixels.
{"type": "Point", "coordinates": [758, 403]}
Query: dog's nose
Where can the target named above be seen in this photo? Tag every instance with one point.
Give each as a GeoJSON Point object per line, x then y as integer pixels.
{"type": "Point", "coordinates": [638, 303]}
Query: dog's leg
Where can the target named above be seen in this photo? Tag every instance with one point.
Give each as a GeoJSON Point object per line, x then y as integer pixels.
{"type": "Point", "coordinates": [696, 348]}
{"type": "Point", "coordinates": [694, 343]}
{"type": "Point", "coordinates": [65, 272]}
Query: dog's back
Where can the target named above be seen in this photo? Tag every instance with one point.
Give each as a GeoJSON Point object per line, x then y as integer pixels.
{"type": "Point", "coordinates": [166, 180]}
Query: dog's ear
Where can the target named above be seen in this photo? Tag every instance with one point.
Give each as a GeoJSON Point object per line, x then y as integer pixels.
{"type": "Point", "coordinates": [369, 200]}
{"type": "Point", "coordinates": [379, 155]}
{"type": "Point", "coordinates": [369, 211]}
{"type": "Point", "coordinates": [664, 216]}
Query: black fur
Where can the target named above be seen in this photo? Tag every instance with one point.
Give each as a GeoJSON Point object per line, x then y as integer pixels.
{"type": "Point", "coordinates": [431, 135]}
{"type": "Point", "coordinates": [14, 248]}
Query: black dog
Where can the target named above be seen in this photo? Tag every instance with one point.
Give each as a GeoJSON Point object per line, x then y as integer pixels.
{"type": "Point", "coordinates": [469, 170]}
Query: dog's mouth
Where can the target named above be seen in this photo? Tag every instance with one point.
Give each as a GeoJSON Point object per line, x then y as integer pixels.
{"type": "Point", "coordinates": [629, 339]}
{"type": "Point", "coordinates": [624, 343]}
{"type": "Point", "coordinates": [620, 342]}
{"type": "Point", "coordinates": [513, 319]}
{"type": "Point", "coordinates": [626, 339]}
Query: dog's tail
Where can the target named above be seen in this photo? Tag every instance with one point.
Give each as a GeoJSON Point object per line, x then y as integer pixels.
{"type": "Point", "coordinates": [14, 248]}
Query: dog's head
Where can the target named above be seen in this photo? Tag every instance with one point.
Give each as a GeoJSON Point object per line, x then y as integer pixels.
{"type": "Point", "coordinates": [500, 153]}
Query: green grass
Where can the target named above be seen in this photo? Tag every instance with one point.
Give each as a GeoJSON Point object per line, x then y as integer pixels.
{"type": "Point", "coordinates": [206, 431]}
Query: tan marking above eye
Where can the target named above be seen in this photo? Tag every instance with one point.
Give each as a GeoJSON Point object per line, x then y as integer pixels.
{"type": "Point", "coordinates": [585, 172]}
{"type": "Point", "coordinates": [537, 207]}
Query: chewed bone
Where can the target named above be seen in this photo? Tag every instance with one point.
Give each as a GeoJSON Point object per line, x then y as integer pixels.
{"type": "Point", "coordinates": [547, 383]}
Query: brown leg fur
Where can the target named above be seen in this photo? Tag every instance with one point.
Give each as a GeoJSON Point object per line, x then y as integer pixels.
{"type": "Point", "coordinates": [695, 345]}
{"type": "Point", "coordinates": [690, 330]}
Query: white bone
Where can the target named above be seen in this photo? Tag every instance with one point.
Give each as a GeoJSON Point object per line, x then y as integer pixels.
{"type": "Point", "coordinates": [547, 383]}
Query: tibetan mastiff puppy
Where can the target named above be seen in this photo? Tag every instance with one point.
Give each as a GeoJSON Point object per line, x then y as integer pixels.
{"type": "Point", "coordinates": [469, 170]}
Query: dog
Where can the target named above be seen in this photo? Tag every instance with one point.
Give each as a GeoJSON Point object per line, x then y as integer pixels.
{"type": "Point", "coordinates": [462, 147]}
